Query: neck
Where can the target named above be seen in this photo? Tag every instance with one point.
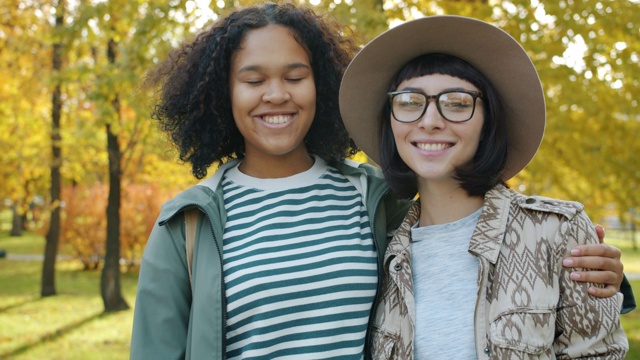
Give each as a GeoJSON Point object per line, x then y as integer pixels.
{"type": "Point", "coordinates": [265, 166]}
{"type": "Point", "coordinates": [443, 203]}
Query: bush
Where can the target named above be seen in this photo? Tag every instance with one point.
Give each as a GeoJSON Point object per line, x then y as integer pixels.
{"type": "Point", "coordinates": [140, 208]}
{"type": "Point", "coordinates": [84, 222]}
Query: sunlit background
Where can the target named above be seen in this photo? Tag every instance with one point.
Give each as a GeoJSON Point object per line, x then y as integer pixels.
{"type": "Point", "coordinates": [70, 95]}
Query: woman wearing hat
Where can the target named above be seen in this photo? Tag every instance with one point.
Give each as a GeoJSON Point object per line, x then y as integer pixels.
{"type": "Point", "coordinates": [460, 111]}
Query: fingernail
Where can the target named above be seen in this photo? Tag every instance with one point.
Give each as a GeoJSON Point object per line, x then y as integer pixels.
{"type": "Point", "coordinates": [574, 276]}
{"type": "Point", "coordinates": [567, 262]}
{"type": "Point", "coordinates": [575, 252]}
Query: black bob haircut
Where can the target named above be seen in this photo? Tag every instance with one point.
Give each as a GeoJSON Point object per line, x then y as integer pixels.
{"type": "Point", "coordinates": [194, 104]}
{"type": "Point", "coordinates": [485, 170]}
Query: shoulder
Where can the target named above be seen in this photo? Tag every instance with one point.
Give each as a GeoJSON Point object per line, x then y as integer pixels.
{"type": "Point", "coordinates": [366, 177]}
{"type": "Point", "coordinates": [195, 196]}
{"type": "Point", "coordinates": [568, 209]}
{"type": "Point", "coordinates": [528, 203]}
{"type": "Point", "coordinates": [365, 173]}
{"type": "Point", "coordinates": [351, 167]}
{"type": "Point", "coordinates": [203, 195]}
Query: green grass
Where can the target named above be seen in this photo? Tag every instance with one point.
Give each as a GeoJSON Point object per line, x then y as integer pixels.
{"type": "Point", "coordinates": [631, 325]}
{"type": "Point", "coordinates": [72, 325]}
{"type": "Point", "coordinates": [631, 261]}
{"type": "Point", "coordinates": [630, 256]}
{"type": "Point", "coordinates": [28, 243]}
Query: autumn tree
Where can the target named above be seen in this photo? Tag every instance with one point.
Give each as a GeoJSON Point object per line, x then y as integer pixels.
{"type": "Point", "coordinates": [23, 89]}
{"type": "Point", "coordinates": [126, 38]}
{"type": "Point", "coordinates": [48, 287]}
{"type": "Point", "coordinates": [591, 81]}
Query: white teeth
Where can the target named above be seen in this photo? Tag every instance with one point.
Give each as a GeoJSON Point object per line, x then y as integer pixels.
{"type": "Point", "coordinates": [431, 147]}
{"type": "Point", "coordinates": [276, 119]}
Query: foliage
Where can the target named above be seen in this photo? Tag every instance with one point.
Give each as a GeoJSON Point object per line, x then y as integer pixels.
{"type": "Point", "coordinates": [586, 54]}
{"type": "Point", "coordinates": [585, 51]}
{"type": "Point", "coordinates": [83, 222]}
{"type": "Point", "coordinates": [593, 116]}
{"type": "Point", "coordinates": [24, 99]}
{"type": "Point", "coordinates": [139, 212]}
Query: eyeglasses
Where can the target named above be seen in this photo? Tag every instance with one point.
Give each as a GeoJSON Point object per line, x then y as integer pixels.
{"type": "Point", "coordinates": [454, 105]}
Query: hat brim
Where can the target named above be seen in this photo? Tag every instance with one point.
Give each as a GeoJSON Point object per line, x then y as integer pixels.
{"type": "Point", "coordinates": [500, 58]}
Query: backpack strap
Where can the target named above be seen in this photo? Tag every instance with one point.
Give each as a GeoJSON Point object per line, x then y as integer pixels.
{"type": "Point", "coordinates": [190, 224]}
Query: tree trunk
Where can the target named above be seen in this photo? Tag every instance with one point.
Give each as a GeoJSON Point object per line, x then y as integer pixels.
{"type": "Point", "coordinates": [48, 286]}
{"type": "Point", "coordinates": [110, 282]}
{"type": "Point", "coordinates": [17, 224]}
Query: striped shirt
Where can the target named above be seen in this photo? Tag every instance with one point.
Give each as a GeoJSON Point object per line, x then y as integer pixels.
{"type": "Point", "coordinates": [300, 267]}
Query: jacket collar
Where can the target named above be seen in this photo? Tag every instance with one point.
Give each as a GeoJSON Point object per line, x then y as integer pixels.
{"type": "Point", "coordinates": [400, 245]}
{"type": "Point", "coordinates": [213, 181]}
{"type": "Point", "coordinates": [206, 195]}
{"type": "Point", "coordinates": [489, 233]}
{"type": "Point", "coordinates": [487, 236]}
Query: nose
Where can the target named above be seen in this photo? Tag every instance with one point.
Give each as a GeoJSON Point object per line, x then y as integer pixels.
{"type": "Point", "coordinates": [431, 119]}
{"type": "Point", "coordinates": [276, 93]}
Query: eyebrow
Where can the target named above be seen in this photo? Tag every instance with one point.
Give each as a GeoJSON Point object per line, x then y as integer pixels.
{"type": "Point", "coordinates": [447, 89]}
{"type": "Point", "coordinates": [293, 66]}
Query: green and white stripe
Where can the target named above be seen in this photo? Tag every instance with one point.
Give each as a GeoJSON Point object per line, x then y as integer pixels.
{"type": "Point", "coordinates": [300, 266]}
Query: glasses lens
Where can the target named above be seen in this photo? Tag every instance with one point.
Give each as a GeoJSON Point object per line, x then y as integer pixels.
{"type": "Point", "coordinates": [456, 106]}
{"type": "Point", "coordinates": [408, 106]}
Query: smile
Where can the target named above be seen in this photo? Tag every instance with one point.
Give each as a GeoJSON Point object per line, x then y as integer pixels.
{"type": "Point", "coordinates": [433, 146]}
{"type": "Point", "coordinates": [277, 119]}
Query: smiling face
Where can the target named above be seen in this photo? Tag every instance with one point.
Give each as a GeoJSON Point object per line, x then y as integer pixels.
{"type": "Point", "coordinates": [273, 95]}
{"type": "Point", "coordinates": [432, 146]}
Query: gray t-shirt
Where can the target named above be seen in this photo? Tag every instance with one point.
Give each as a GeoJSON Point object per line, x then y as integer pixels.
{"type": "Point", "coordinates": [445, 284]}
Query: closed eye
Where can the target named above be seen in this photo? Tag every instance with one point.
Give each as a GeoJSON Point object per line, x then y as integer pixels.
{"type": "Point", "coordinates": [457, 105]}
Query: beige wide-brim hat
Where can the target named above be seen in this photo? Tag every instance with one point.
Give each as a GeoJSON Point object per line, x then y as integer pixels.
{"type": "Point", "coordinates": [500, 58]}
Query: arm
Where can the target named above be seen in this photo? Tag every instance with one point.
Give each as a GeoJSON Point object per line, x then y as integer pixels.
{"type": "Point", "coordinates": [588, 326]}
{"type": "Point", "coordinates": [163, 299]}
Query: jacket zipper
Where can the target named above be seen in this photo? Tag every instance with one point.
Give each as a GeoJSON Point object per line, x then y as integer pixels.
{"type": "Point", "coordinates": [222, 292]}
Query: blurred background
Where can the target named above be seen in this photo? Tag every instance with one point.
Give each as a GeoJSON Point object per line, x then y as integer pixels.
{"type": "Point", "coordinates": [84, 169]}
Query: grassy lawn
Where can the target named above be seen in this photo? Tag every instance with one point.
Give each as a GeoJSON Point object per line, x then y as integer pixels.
{"type": "Point", "coordinates": [72, 324]}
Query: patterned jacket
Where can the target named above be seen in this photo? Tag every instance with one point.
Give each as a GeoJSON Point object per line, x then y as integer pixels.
{"type": "Point", "coordinates": [527, 307]}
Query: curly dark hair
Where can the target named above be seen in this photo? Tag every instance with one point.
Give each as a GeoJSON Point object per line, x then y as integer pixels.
{"type": "Point", "coordinates": [194, 105]}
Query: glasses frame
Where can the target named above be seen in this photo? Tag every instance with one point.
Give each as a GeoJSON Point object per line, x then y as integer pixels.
{"type": "Point", "coordinates": [473, 93]}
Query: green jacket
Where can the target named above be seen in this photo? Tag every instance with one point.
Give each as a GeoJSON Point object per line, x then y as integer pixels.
{"type": "Point", "coordinates": [172, 320]}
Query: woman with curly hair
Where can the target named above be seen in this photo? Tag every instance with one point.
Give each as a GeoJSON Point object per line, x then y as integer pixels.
{"type": "Point", "coordinates": [285, 262]}
{"type": "Point", "coordinates": [289, 235]}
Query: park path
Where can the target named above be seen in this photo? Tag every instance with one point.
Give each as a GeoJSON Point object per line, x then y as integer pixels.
{"type": "Point", "coordinates": [34, 257]}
